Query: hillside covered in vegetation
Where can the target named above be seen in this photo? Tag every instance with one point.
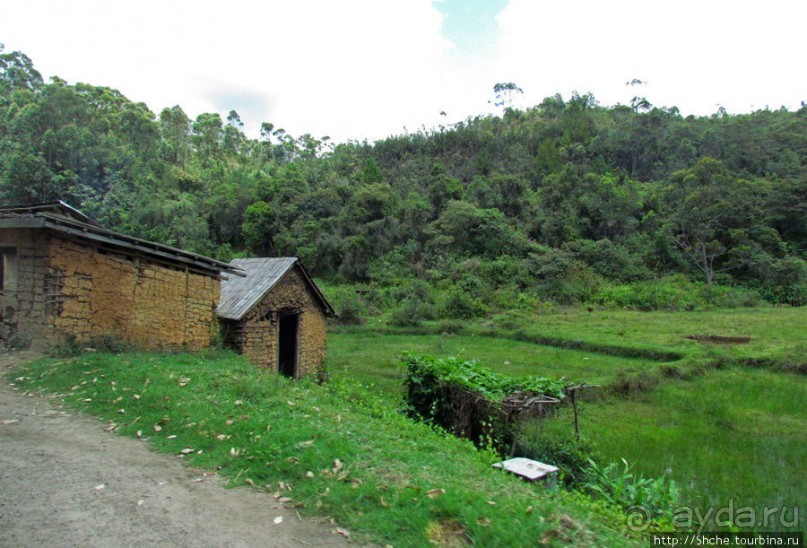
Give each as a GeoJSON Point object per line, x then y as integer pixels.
{"type": "Point", "coordinates": [568, 201]}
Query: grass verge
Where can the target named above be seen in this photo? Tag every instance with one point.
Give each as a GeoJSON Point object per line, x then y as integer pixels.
{"type": "Point", "coordinates": [335, 450]}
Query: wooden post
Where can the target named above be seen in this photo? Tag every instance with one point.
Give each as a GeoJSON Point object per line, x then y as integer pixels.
{"type": "Point", "coordinates": [572, 391]}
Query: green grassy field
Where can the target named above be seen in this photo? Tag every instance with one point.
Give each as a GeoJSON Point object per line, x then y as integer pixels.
{"type": "Point", "coordinates": [736, 436]}
{"type": "Point", "coordinates": [733, 436]}
{"type": "Point", "coordinates": [373, 357]}
{"type": "Point", "coordinates": [728, 434]}
{"type": "Point", "coordinates": [774, 333]}
{"type": "Point", "coordinates": [333, 450]}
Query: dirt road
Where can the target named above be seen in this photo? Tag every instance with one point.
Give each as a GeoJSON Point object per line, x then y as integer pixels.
{"type": "Point", "coordinates": [64, 481]}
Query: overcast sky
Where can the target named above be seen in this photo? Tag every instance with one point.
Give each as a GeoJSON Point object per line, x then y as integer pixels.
{"type": "Point", "coordinates": [367, 69]}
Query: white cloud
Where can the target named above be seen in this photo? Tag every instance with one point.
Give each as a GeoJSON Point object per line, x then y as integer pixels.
{"type": "Point", "coordinates": [367, 68]}
{"type": "Point", "coordinates": [352, 68]}
{"type": "Point", "coordinates": [693, 54]}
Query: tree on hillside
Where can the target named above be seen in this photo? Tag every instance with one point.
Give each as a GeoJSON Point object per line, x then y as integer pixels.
{"type": "Point", "coordinates": [614, 194]}
{"type": "Point", "coordinates": [207, 135]}
{"type": "Point", "coordinates": [370, 172]}
{"type": "Point", "coordinates": [259, 228]}
{"type": "Point", "coordinates": [174, 129]}
{"type": "Point", "coordinates": [710, 214]}
{"type": "Point", "coordinates": [463, 228]}
{"type": "Point", "coordinates": [442, 187]}
{"type": "Point", "coordinates": [503, 94]}
{"type": "Point", "coordinates": [233, 139]}
{"type": "Point", "coordinates": [17, 71]}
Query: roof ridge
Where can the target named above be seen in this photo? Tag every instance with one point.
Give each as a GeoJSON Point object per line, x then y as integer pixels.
{"type": "Point", "coordinates": [240, 296]}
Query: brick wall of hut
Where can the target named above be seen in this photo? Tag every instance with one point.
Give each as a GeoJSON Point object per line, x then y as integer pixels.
{"type": "Point", "coordinates": [257, 335]}
{"type": "Point", "coordinates": [82, 292]}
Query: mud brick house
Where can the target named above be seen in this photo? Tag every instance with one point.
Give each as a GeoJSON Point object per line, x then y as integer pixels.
{"type": "Point", "coordinates": [64, 277]}
{"type": "Point", "coordinates": [275, 315]}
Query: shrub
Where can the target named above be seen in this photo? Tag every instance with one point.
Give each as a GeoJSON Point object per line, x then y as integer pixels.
{"type": "Point", "coordinates": [411, 289]}
{"type": "Point", "coordinates": [350, 314]}
{"type": "Point", "coordinates": [411, 312]}
{"type": "Point", "coordinates": [67, 347]}
{"type": "Point", "coordinates": [782, 281]}
{"type": "Point", "coordinates": [505, 270]}
{"type": "Point", "coordinates": [416, 304]}
{"type": "Point", "coordinates": [674, 293]}
{"type": "Point", "coordinates": [510, 297]}
{"type": "Point", "coordinates": [110, 343]}
{"type": "Point", "coordinates": [721, 296]}
{"type": "Point", "coordinates": [460, 306]}
{"type": "Point", "coordinates": [560, 277]}
{"type": "Point", "coordinates": [451, 327]}
{"type": "Point", "coordinates": [469, 400]}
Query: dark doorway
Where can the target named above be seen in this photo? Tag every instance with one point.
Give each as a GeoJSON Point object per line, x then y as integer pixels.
{"type": "Point", "coordinates": [288, 338]}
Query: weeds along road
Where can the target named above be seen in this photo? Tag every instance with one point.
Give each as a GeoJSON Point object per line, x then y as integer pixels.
{"type": "Point", "coordinates": [64, 481]}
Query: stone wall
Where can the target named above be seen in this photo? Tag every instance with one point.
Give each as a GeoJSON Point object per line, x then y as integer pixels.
{"type": "Point", "coordinates": [141, 302]}
{"type": "Point", "coordinates": [68, 289]}
{"type": "Point", "coordinates": [256, 336]}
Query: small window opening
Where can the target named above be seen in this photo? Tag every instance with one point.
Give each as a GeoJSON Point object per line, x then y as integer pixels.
{"type": "Point", "coordinates": [8, 269]}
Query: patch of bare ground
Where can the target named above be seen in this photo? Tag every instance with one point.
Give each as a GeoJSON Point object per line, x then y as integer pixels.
{"type": "Point", "coordinates": [64, 481]}
{"type": "Point", "coordinates": [718, 339]}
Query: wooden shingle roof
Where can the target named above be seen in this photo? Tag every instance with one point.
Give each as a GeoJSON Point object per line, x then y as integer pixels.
{"type": "Point", "coordinates": [240, 295]}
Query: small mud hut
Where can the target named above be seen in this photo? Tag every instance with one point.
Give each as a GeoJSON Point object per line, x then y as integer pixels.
{"type": "Point", "coordinates": [275, 315]}
{"type": "Point", "coordinates": [64, 278]}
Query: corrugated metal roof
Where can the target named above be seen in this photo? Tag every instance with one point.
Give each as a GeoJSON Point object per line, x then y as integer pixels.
{"type": "Point", "coordinates": [239, 295]}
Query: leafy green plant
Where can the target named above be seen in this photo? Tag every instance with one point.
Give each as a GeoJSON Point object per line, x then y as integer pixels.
{"type": "Point", "coordinates": [471, 375]}
{"type": "Point", "coordinates": [623, 487]}
{"type": "Point", "coordinates": [110, 343]}
{"type": "Point", "coordinates": [415, 305]}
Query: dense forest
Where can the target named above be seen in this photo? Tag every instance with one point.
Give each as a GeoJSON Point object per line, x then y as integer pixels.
{"type": "Point", "coordinates": [568, 201]}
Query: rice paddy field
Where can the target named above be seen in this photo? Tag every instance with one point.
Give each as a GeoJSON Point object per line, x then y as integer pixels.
{"type": "Point", "coordinates": [717, 400]}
